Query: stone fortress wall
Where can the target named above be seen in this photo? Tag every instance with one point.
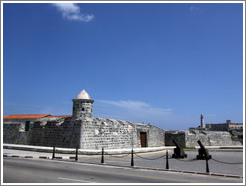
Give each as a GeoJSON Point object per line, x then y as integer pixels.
{"type": "Point", "coordinates": [91, 134]}
{"type": "Point", "coordinates": [43, 132]}
{"type": "Point", "coordinates": [107, 133]}
{"type": "Point", "coordinates": [83, 131]}
{"type": "Point", "coordinates": [115, 134]}
{"type": "Point", "coordinates": [13, 133]}
{"type": "Point", "coordinates": [189, 138]}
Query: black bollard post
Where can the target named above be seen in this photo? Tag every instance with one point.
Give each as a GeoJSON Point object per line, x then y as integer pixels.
{"type": "Point", "coordinates": [207, 167]}
{"type": "Point", "coordinates": [102, 159]}
{"type": "Point", "coordinates": [167, 164]}
{"type": "Point", "coordinates": [53, 154]}
{"type": "Point", "coordinates": [132, 161]}
{"type": "Point", "coordinates": [76, 154]}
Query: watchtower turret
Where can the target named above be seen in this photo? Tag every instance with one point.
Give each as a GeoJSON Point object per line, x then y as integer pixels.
{"type": "Point", "coordinates": [82, 106]}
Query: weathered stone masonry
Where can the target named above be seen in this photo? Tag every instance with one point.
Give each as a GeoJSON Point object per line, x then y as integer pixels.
{"type": "Point", "coordinates": [189, 138]}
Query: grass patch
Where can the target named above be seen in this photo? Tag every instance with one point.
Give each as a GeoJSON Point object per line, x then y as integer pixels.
{"type": "Point", "coordinates": [189, 148]}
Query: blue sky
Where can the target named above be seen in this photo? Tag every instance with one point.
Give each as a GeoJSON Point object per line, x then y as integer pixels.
{"type": "Point", "coordinates": [163, 64]}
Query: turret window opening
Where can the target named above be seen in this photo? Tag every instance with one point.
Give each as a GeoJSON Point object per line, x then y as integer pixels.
{"type": "Point", "coordinates": [27, 125]}
{"type": "Point", "coordinates": [83, 110]}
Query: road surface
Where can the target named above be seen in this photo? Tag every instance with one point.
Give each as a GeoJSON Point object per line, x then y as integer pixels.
{"type": "Point", "coordinates": [20, 170]}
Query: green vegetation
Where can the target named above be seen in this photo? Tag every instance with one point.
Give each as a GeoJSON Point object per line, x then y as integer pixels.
{"type": "Point", "coordinates": [189, 148]}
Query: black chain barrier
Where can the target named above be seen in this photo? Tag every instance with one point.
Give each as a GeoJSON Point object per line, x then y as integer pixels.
{"type": "Point", "coordinates": [227, 162]}
{"type": "Point", "coordinates": [116, 156]}
{"type": "Point", "coordinates": [81, 153]}
{"type": "Point", "coordinates": [167, 156]}
{"type": "Point", "coordinates": [149, 158]}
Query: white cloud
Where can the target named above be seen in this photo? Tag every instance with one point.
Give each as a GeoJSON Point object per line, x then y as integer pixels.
{"type": "Point", "coordinates": [193, 8]}
{"type": "Point", "coordinates": [136, 111]}
{"type": "Point", "coordinates": [71, 11]}
{"type": "Point", "coordinates": [195, 11]}
{"type": "Point", "coordinates": [135, 105]}
{"type": "Point", "coordinates": [127, 104]}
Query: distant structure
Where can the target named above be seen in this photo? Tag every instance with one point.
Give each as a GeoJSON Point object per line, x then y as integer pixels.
{"type": "Point", "coordinates": [201, 126]}
{"type": "Point", "coordinates": [202, 121]}
{"type": "Point", "coordinates": [224, 126]}
{"type": "Point", "coordinates": [221, 134]}
{"type": "Point", "coordinates": [218, 126]}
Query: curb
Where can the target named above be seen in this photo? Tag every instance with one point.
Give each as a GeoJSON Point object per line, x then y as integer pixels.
{"type": "Point", "coordinates": [43, 157]}
{"type": "Point", "coordinates": [40, 157]}
{"type": "Point", "coordinates": [15, 156]}
{"type": "Point", "coordinates": [28, 156]}
{"type": "Point", "coordinates": [221, 147]}
{"type": "Point", "coordinates": [58, 158]}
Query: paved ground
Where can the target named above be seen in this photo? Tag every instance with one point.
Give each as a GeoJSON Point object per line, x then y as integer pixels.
{"type": "Point", "coordinates": [227, 163]}
{"type": "Point", "coordinates": [22, 170]}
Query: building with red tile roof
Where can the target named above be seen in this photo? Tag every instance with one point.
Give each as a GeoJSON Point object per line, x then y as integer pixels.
{"type": "Point", "coordinates": [29, 116]}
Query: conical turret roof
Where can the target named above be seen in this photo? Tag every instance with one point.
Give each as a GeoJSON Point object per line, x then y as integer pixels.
{"type": "Point", "coordinates": [83, 95]}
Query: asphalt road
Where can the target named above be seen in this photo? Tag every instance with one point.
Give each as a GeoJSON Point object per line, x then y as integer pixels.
{"type": "Point", "coordinates": [20, 170]}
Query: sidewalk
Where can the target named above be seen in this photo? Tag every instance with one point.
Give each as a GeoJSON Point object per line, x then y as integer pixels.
{"type": "Point", "coordinates": [85, 151]}
{"type": "Point", "coordinates": [113, 151]}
